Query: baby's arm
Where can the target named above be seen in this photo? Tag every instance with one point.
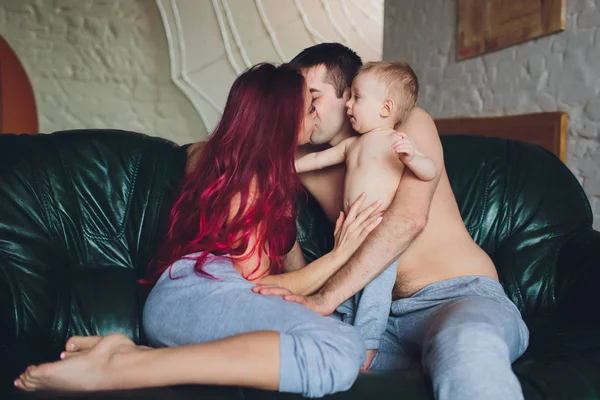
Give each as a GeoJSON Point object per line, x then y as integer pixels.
{"type": "Point", "coordinates": [321, 159]}
{"type": "Point", "coordinates": [422, 167]}
{"type": "Point", "coordinates": [406, 150]}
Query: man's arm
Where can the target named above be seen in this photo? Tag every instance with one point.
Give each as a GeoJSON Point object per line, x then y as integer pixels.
{"type": "Point", "coordinates": [325, 158]}
{"type": "Point", "coordinates": [404, 219]}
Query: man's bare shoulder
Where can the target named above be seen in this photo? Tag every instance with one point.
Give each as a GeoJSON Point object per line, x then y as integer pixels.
{"type": "Point", "coordinates": [419, 122]}
{"type": "Point", "coordinates": [419, 115]}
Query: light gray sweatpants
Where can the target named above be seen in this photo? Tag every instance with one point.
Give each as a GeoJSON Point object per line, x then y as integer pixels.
{"type": "Point", "coordinates": [464, 331]}
{"type": "Point", "coordinates": [319, 355]}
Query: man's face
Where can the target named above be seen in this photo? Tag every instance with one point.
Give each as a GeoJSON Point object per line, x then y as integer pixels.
{"type": "Point", "coordinates": [308, 122]}
{"type": "Point", "coordinates": [330, 115]}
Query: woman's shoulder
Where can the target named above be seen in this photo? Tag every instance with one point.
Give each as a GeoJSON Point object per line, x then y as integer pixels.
{"type": "Point", "coordinates": [194, 152]}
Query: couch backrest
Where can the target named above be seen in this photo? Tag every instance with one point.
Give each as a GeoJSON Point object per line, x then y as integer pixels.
{"type": "Point", "coordinates": [81, 213]}
{"type": "Point", "coordinates": [79, 218]}
{"type": "Point", "coordinates": [521, 204]}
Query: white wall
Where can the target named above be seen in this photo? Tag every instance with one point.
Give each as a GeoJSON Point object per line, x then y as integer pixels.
{"type": "Point", "coordinates": [557, 72]}
{"type": "Point", "coordinates": [212, 41]}
{"type": "Point", "coordinates": [124, 64]}
{"type": "Point", "coordinates": [99, 64]}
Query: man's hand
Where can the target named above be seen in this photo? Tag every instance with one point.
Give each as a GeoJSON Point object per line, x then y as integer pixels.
{"type": "Point", "coordinates": [315, 302]}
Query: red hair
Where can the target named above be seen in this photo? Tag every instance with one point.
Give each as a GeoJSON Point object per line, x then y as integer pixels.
{"type": "Point", "coordinates": [250, 154]}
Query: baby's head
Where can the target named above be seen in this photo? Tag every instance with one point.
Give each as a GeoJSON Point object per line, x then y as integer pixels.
{"type": "Point", "coordinates": [383, 94]}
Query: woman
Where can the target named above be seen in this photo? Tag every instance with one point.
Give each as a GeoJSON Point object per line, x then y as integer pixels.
{"type": "Point", "coordinates": [230, 230]}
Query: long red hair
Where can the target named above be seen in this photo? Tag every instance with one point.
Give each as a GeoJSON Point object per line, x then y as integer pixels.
{"type": "Point", "coordinates": [252, 148]}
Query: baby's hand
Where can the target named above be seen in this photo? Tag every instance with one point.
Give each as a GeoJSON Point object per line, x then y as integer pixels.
{"type": "Point", "coordinates": [370, 356]}
{"type": "Point", "coordinates": [404, 148]}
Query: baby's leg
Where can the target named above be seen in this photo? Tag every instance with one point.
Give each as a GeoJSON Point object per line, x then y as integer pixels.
{"type": "Point", "coordinates": [345, 312]}
{"type": "Point", "coordinates": [372, 306]}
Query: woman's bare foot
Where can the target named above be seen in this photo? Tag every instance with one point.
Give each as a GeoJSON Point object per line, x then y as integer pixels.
{"type": "Point", "coordinates": [78, 345]}
{"type": "Point", "coordinates": [90, 370]}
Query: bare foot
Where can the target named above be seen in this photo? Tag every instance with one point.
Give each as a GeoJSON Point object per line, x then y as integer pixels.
{"type": "Point", "coordinates": [70, 354]}
{"type": "Point", "coordinates": [78, 343]}
{"type": "Point", "coordinates": [91, 370]}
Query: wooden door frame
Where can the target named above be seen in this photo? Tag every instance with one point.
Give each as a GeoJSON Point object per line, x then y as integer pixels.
{"type": "Point", "coordinates": [18, 111]}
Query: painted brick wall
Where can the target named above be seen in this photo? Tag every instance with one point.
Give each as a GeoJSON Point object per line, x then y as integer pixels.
{"type": "Point", "coordinates": [557, 72]}
{"type": "Point", "coordinates": [99, 64]}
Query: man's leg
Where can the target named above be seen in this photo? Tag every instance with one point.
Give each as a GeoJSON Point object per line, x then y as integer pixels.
{"type": "Point", "coordinates": [469, 344]}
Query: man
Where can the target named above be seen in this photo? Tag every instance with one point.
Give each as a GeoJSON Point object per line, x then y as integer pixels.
{"type": "Point", "coordinates": [449, 309]}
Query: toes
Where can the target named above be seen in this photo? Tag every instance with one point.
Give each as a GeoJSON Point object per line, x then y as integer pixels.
{"type": "Point", "coordinates": [33, 371]}
{"type": "Point", "coordinates": [21, 384]}
{"type": "Point", "coordinates": [26, 383]}
{"type": "Point", "coordinates": [28, 380]}
{"type": "Point", "coordinates": [77, 343]}
{"type": "Point", "coordinates": [70, 354]}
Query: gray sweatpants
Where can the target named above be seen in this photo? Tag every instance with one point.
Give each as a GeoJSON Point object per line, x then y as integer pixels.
{"type": "Point", "coordinates": [369, 309]}
{"type": "Point", "coordinates": [318, 356]}
{"type": "Point", "coordinates": [464, 331]}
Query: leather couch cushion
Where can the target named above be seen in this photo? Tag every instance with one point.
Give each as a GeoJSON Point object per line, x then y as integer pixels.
{"type": "Point", "coordinates": [81, 217]}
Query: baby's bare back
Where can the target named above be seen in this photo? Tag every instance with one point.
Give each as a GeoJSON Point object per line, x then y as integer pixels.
{"type": "Point", "coordinates": [372, 167]}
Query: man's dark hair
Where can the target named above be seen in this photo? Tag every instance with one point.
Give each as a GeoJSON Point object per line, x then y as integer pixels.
{"type": "Point", "coordinates": [342, 63]}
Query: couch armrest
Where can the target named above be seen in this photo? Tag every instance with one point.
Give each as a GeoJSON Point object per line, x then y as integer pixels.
{"type": "Point", "coordinates": [578, 275]}
{"type": "Point", "coordinates": [7, 306]}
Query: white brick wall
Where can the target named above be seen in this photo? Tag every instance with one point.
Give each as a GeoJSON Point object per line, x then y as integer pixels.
{"type": "Point", "coordinates": [557, 72]}
{"type": "Point", "coordinates": [99, 64]}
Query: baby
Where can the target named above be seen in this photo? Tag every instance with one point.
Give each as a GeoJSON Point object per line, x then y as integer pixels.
{"type": "Point", "coordinates": [382, 95]}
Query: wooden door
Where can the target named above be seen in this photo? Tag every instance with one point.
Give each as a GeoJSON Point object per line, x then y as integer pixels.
{"type": "Point", "coordinates": [18, 111]}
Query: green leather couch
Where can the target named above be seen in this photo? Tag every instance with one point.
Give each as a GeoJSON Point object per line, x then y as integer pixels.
{"type": "Point", "coordinates": [81, 213]}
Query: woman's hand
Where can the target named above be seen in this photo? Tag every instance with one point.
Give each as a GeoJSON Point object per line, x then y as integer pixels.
{"type": "Point", "coordinates": [271, 290]}
{"type": "Point", "coordinates": [349, 234]}
{"type": "Point", "coordinates": [351, 230]}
